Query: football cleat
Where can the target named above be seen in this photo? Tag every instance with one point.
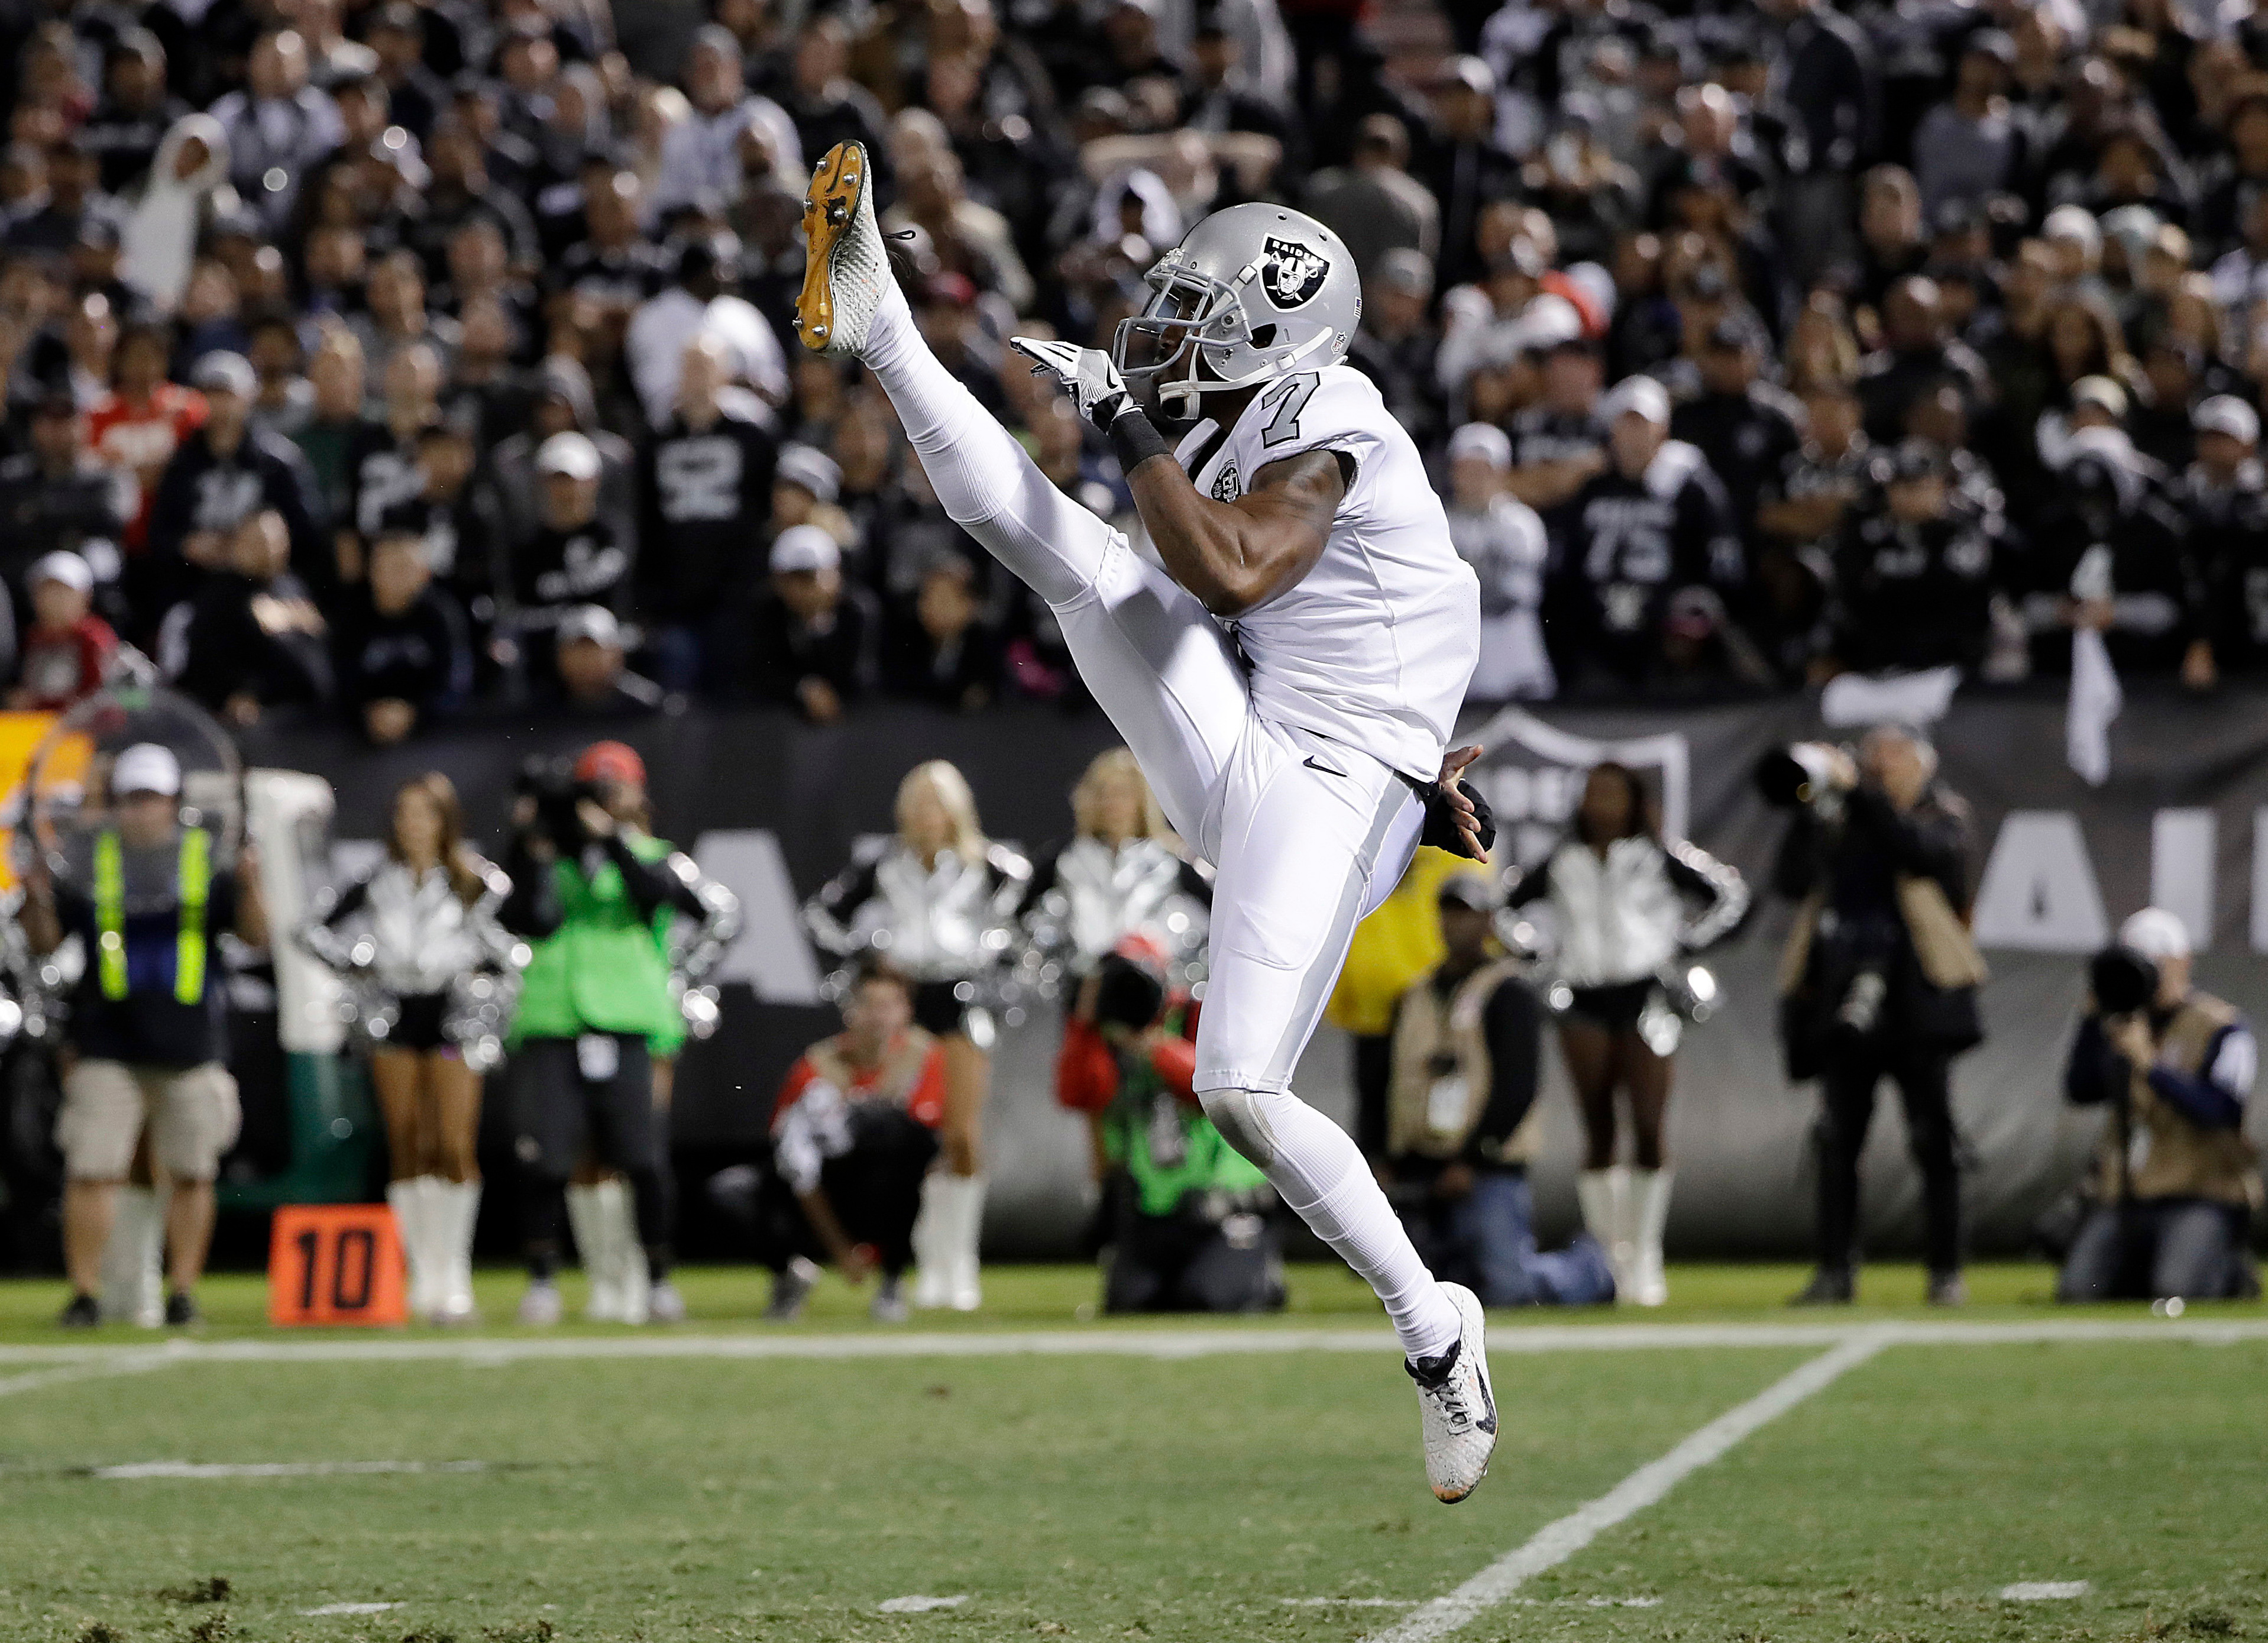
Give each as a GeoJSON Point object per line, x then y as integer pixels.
{"type": "Point", "coordinates": [1456, 1405]}
{"type": "Point", "coordinates": [791, 1287]}
{"type": "Point", "coordinates": [664, 1304]}
{"type": "Point", "coordinates": [846, 269]}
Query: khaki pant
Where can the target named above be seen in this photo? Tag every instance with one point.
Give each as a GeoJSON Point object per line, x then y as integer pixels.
{"type": "Point", "coordinates": [191, 1111]}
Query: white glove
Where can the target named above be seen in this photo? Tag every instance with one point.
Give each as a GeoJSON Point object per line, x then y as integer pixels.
{"type": "Point", "coordinates": [1085, 374]}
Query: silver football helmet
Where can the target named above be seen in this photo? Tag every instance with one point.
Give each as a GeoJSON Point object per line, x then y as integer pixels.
{"type": "Point", "coordinates": [1251, 293]}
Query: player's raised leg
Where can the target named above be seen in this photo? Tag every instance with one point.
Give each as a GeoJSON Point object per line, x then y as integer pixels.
{"type": "Point", "coordinates": [1159, 666]}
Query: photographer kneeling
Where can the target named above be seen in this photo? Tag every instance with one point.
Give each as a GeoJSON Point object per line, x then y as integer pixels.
{"type": "Point", "coordinates": [853, 1134]}
{"type": "Point", "coordinates": [1184, 1215]}
{"type": "Point", "coordinates": [1462, 1123]}
{"type": "Point", "coordinates": [2176, 1179]}
{"type": "Point", "coordinates": [1879, 977]}
{"type": "Point", "coordinates": [586, 890]}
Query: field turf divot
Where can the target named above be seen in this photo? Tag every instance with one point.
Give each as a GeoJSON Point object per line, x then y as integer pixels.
{"type": "Point", "coordinates": [918, 1605]}
{"type": "Point", "coordinates": [1555, 1542]}
{"type": "Point", "coordinates": [2045, 1591]}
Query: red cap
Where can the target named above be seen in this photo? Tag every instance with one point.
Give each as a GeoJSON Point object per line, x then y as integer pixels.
{"type": "Point", "coordinates": [611, 761]}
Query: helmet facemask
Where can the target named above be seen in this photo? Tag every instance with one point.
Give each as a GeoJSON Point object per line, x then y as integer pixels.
{"type": "Point", "coordinates": [1193, 325]}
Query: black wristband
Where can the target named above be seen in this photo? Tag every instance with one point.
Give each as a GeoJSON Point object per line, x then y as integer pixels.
{"type": "Point", "coordinates": [1134, 439]}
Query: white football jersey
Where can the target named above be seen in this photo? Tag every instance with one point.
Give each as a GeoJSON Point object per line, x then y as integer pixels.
{"type": "Point", "coordinates": [1375, 646]}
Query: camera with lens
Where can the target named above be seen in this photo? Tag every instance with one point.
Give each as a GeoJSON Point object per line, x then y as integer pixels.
{"type": "Point", "coordinates": [1803, 776]}
{"type": "Point", "coordinates": [2122, 980]}
{"type": "Point", "coordinates": [557, 793]}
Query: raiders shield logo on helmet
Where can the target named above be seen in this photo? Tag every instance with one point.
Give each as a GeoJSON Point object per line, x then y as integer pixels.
{"type": "Point", "coordinates": [1293, 274]}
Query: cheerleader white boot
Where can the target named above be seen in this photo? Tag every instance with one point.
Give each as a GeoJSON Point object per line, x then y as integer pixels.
{"type": "Point", "coordinates": [932, 1284]}
{"type": "Point", "coordinates": [1603, 1196]}
{"type": "Point", "coordinates": [459, 1204]}
{"type": "Point", "coordinates": [587, 1219]}
{"type": "Point", "coordinates": [963, 1227]}
{"type": "Point", "coordinates": [633, 1279]}
{"type": "Point", "coordinates": [133, 1278]}
{"type": "Point", "coordinates": [1649, 1214]}
{"type": "Point", "coordinates": [414, 1216]}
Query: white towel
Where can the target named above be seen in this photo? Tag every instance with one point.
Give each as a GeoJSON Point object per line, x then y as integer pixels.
{"type": "Point", "coordinates": [2096, 700]}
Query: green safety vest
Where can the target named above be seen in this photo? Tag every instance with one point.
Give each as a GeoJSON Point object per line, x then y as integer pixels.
{"type": "Point", "coordinates": [1170, 1148]}
{"type": "Point", "coordinates": [602, 970]}
{"type": "Point", "coordinates": [194, 884]}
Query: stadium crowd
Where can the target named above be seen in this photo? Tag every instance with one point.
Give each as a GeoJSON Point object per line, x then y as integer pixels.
{"type": "Point", "coordinates": [391, 359]}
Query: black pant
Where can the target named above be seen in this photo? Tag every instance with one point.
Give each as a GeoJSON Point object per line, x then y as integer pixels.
{"type": "Point", "coordinates": [2193, 1247]}
{"type": "Point", "coordinates": [1854, 1066]}
{"type": "Point", "coordinates": [874, 1189]}
{"type": "Point", "coordinates": [560, 1109]}
{"type": "Point", "coordinates": [1373, 1082]}
{"type": "Point", "coordinates": [1192, 1262]}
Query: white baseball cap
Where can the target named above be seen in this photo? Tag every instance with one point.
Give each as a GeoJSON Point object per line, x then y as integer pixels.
{"type": "Point", "coordinates": [1485, 440]}
{"type": "Point", "coordinates": [1643, 395]}
{"type": "Point", "coordinates": [62, 566]}
{"type": "Point", "coordinates": [804, 548]}
{"type": "Point", "coordinates": [570, 453]}
{"type": "Point", "coordinates": [594, 623]}
{"type": "Point", "coordinates": [2155, 933]}
{"type": "Point", "coordinates": [146, 768]}
{"type": "Point", "coordinates": [2225, 413]}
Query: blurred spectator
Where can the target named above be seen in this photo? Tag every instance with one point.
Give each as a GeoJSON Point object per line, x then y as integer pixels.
{"type": "Point", "coordinates": [1374, 204]}
{"type": "Point", "coordinates": [1501, 538]}
{"type": "Point", "coordinates": [1971, 147]}
{"type": "Point", "coordinates": [813, 636]}
{"type": "Point", "coordinates": [936, 646]}
{"type": "Point", "coordinates": [1746, 428]}
{"type": "Point", "coordinates": [67, 649]}
{"type": "Point", "coordinates": [562, 403]}
{"type": "Point", "coordinates": [1466, 167]}
{"type": "Point", "coordinates": [55, 497]}
{"type": "Point", "coordinates": [223, 474]}
{"type": "Point", "coordinates": [187, 187]}
{"type": "Point", "coordinates": [2175, 1179]}
{"type": "Point", "coordinates": [699, 301]}
{"type": "Point", "coordinates": [1464, 1125]}
{"type": "Point", "coordinates": [574, 558]}
{"type": "Point", "coordinates": [853, 1133]}
{"type": "Point", "coordinates": [1396, 346]}
{"type": "Point", "coordinates": [252, 638]}
{"type": "Point", "coordinates": [590, 662]}
{"type": "Point", "coordinates": [403, 654]}
{"type": "Point", "coordinates": [1654, 521]}
{"type": "Point", "coordinates": [278, 127]}
{"type": "Point", "coordinates": [1913, 580]}
{"type": "Point", "coordinates": [699, 156]}
{"type": "Point", "coordinates": [2224, 503]}
{"type": "Point", "coordinates": [128, 124]}
{"type": "Point", "coordinates": [136, 431]}
{"type": "Point", "coordinates": [706, 477]}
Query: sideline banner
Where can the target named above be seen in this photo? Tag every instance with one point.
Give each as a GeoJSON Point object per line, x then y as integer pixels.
{"type": "Point", "coordinates": [771, 805]}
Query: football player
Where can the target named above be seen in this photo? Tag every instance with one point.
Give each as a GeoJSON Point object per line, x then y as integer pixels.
{"type": "Point", "coordinates": [1289, 687]}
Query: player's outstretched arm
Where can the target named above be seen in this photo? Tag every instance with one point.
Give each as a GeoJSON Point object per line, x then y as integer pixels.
{"type": "Point", "coordinates": [1237, 556]}
{"type": "Point", "coordinates": [1234, 556]}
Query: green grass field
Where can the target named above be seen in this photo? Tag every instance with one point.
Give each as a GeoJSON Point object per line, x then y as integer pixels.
{"type": "Point", "coordinates": [1141, 1492]}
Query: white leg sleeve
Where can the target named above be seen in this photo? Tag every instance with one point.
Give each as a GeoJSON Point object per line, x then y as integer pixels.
{"type": "Point", "coordinates": [1158, 663]}
{"type": "Point", "coordinates": [988, 484]}
{"type": "Point", "coordinates": [1316, 1169]}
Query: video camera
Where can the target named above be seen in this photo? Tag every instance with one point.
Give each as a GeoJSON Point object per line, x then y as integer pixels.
{"type": "Point", "coordinates": [557, 792]}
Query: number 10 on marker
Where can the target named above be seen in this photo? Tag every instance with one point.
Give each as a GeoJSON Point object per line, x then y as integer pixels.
{"type": "Point", "coordinates": [335, 1263]}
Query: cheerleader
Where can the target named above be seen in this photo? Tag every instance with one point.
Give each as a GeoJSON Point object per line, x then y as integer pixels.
{"type": "Point", "coordinates": [940, 902]}
{"type": "Point", "coordinates": [1123, 872]}
{"type": "Point", "coordinates": [1620, 897]}
{"type": "Point", "coordinates": [426, 923]}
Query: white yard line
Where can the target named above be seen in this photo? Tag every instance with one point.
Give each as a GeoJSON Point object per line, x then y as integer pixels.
{"type": "Point", "coordinates": [134, 1471]}
{"type": "Point", "coordinates": [1555, 1542]}
{"type": "Point", "coordinates": [85, 1366]}
{"type": "Point", "coordinates": [1507, 1337]}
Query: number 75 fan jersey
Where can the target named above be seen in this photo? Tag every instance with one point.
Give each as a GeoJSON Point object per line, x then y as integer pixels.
{"type": "Point", "coordinates": [1374, 646]}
